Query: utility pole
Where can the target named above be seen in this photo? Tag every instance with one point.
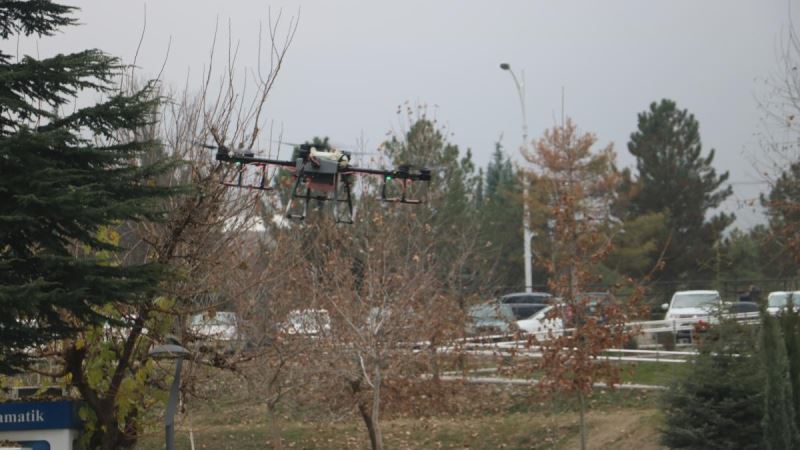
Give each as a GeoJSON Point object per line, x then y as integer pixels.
{"type": "Point", "coordinates": [526, 215]}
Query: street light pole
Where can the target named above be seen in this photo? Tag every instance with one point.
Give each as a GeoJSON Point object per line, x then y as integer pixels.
{"type": "Point", "coordinates": [172, 406]}
{"type": "Point", "coordinates": [526, 222]}
{"type": "Point", "coordinates": [171, 350]}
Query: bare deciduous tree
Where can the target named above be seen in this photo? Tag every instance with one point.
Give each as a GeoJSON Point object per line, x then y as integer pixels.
{"type": "Point", "coordinates": [577, 184]}
{"type": "Point", "coordinates": [204, 239]}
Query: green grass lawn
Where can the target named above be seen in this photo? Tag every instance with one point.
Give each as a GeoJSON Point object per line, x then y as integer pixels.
{"type": "Point", "coordinates": [228, 413]}
{"type": "Point", "coordinates": [520, 418]}
{"type": "Point", "coordinates": [651, 373]}
{"type": "Point", "coordinates": [654, 373]}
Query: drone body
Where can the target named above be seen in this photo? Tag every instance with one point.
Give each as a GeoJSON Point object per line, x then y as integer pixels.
{"type": "Point", "coordinates": [322, 175]}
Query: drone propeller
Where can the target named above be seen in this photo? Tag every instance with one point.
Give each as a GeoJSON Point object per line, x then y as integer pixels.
{"type": "Point", "coordinates": [416, 171]}
{"type": "Point", "coordinates": [221, 149]}
{"type": "Point", "coordinates": [411, 172]}
{"type": "Point", "coordinates": [204, 145]}
{"type": "Point", "coordinates": [288, 144]}
{"type": "Point", "coordinates": [307, 146]}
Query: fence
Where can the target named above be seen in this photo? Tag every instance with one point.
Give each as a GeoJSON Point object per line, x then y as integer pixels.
{"type": "Point", "coordinates": [648, 338]}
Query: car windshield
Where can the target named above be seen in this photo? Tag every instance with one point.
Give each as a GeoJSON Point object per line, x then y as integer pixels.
{"type": "Point", "coordinates": [524, 311]}
{"type": "Point", "coordinates": [491, 311]}
{"type": "Point", "coordinates": [695, 300]}
{"type": "Point", "coordinates": [779, 299]}
{"type": "Point", "coordinates": [537, 298]}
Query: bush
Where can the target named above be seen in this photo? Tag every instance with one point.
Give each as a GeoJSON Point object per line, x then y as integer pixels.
{"type": "Point", "coordinates": [718, 404]}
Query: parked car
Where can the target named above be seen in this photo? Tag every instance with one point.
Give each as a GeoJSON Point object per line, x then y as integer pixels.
{"type": "Point", "coordinates": [692, 304]}
{"type": "Point", "coordinates": [689, 304]}
{"type": "Point", "coordinates": [307, 322]}
{"type": "Point", "coordinates": [558, 317]}
{"type": "Point", "coordinates": [220, 326]}
{"type": "Point", "coordinates": [741, 308]}
{"type": "Point", "coordinates": [491, 318]}
{"type": "Point", "coordinates": [777, 301]}
{"type": "Point", "coordinates": [526, 304]}
{"type": "Point", "coordinates": [527, 297]}
{"type": "Point", "coordinates": [551, 318]}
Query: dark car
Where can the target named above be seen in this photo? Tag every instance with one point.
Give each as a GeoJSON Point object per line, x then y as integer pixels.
{"type": "Point", "coordinates": [741, 307]}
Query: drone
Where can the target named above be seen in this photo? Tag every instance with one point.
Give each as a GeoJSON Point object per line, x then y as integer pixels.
{"type": "Point", "coordinates": [323, 174]}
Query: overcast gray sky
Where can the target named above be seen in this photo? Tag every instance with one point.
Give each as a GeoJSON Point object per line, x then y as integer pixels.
{"type": "Point", "coordinates": [353, 62]}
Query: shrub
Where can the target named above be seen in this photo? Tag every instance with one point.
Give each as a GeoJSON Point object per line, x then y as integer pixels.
{"type": "Point", "coordinates": [718, 404]}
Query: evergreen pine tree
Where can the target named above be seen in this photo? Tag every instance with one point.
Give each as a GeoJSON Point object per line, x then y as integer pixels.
{"type": "Point", "coordinates": [790, 326]}
{"type": "Point", "coordinates": [450, 217]}
{"type": "Point", "coordinates": [778, 424]}
{"type": "Point", "coordinates": [501, 224]}
{"type": "Point", "coordinates": [65, 178]}
{"type": "Point", "coordinates": [500, 176]}
{"type": "Point", "coordinates": [676, 179]}
{"type": "Point", "coordinates": [718, 403]}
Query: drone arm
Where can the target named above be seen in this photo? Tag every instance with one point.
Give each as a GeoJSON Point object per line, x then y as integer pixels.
{"type": "Point", "coordinates": [364, 171]}
{"type": "Point", "coordinates": [225, 156]}
{"type": "Point", "coordinates": [400, 174]}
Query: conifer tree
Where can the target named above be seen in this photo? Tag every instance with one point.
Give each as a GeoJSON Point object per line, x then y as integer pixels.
{"type": "Point", "coordinates": [718, 403]}
{"type": "Point", "coordinates": [790, 326]}
{"type": "Point", "coordinates": [778, 424]}
{"type": "Point", "coordinates": [676, 179]}
{"type": "Point", "coordinates": [67, 174]}
{"type": "Point", "coordinates": [450, 215]}
{"type": "Point", "coordinates": [501, 223]}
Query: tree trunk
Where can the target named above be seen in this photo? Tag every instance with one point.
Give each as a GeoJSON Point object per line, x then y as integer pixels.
{"type": "Point", "coordinates": [108, 435]}
{"type": "Point", "coordinates": [582, 405]}
{"type": "Point", "coordinates": [109, 443]}
{"type": "Point", "coordinates": [275, 426]}
{"type": "Point", "coordinates": [376, 408]}
{"type": "Point", "coordinates": [113, 438]}
{"type": "Point", "coordinates": [373, 438]}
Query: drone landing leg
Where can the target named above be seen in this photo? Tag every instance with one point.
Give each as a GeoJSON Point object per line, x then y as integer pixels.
{"type": "Point", "coordinates": [306, 199]}
{"type": "Point", "coordinates": [291, 200]}
{"type": "Point", "coordinates": [411, 201]}
{"type": "Point", "coordinates": [403, 197]}
{"type": "Point", "coordinates": [347, 199]}
{"type": "Point", "coordinates": [262, 185]}
{"type": "Point", "coordinates": [239, 175]}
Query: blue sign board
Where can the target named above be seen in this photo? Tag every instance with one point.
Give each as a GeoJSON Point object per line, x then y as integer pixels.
{"type": "Point", "coordinates": [36, 445]}
{"type": "Point", "coordinates": [18, 416]}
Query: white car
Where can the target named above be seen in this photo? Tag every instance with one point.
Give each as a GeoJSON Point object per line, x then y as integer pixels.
{"type": "Point", "coordinates": [691, 304]}
{"type": "Point", "coordinates": [221, 326]}
{"type": "Point", "coordinates": [547, 321]}
{"type": "Point", "coordinates": [777, 301]}
{"type": "Point", "coordinates": [307, 322]}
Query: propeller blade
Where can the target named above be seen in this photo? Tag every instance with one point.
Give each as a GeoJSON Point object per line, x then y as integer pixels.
{"type": "Point", "coordinates": [288, 144]}
{"type": "Point", "coordinates": [204, 145]}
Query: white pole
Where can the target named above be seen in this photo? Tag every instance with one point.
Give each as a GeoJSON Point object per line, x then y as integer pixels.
{"type": "Point", "coordinates": [526, 215]}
